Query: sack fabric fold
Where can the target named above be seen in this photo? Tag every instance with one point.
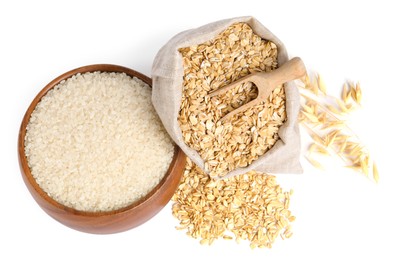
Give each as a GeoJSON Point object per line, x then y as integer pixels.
{"type": "Point", "coordinates": [167, 76]}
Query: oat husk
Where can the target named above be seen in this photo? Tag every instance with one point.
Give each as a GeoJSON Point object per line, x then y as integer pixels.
{"type": "Point", "coordinates": [323, 116]}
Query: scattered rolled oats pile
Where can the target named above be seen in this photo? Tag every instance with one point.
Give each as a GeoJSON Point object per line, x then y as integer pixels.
{"type": "Point", "coordinates": [246, 207]}
{"type": "Point", "coordinates": [233, 54]}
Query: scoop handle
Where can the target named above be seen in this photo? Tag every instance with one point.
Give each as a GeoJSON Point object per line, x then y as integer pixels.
{"type": "Point", "coordinates": [290, 70]}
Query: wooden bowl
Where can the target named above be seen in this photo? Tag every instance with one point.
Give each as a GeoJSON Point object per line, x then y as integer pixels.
{"type": "Point", "coordinates": [109, 221]}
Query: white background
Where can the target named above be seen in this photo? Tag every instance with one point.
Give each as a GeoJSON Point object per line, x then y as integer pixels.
{"type": "Point", "coordinates": [340, 214]}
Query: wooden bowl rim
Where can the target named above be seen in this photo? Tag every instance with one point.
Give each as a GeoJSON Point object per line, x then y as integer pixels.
{"type": "Point", "coordinates": [22, 132]}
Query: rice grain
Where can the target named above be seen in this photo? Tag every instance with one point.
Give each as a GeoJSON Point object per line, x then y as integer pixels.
{"type": "Point", "coordinates": [91, 141]}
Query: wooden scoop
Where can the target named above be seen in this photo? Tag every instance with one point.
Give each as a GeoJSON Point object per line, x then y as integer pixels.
{"type": "Point", "coordinates": [266, 82]}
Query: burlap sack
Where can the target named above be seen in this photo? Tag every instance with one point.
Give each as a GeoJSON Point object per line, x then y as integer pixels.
{"type": "Point", "coordinates": [167, 75]}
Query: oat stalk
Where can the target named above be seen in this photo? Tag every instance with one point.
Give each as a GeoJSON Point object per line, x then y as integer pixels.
{"type": "Point", "coordinates": [325, 108]}
{"type": "Point", "coordinates": [314, 134]}
{"type": "Point", "coordinates": [330, 133]}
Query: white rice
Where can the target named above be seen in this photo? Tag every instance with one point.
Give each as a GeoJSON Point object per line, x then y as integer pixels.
{"type": "Point", "coordinates": [95, 142]}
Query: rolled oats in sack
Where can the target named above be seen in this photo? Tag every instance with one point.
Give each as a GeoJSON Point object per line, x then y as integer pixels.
{"type": "Point", "coordinates": [194, 63]}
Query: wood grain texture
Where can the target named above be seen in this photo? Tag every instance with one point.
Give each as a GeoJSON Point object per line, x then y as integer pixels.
{"type": "Point", "coordinates": [101, 222]}
{"type": "Point", "coordinates": [266, 82]}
